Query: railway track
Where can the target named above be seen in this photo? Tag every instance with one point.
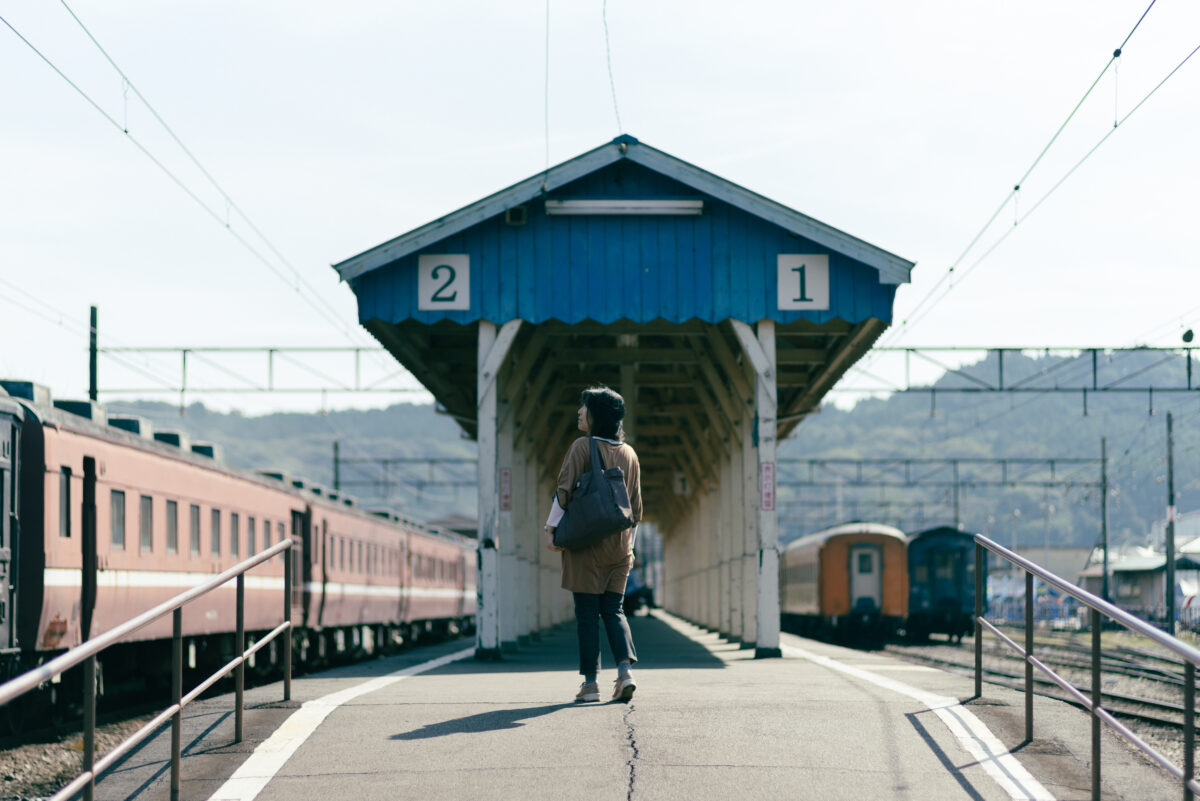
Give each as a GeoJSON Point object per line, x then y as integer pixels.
{"type": "Point", "coordinates": [1118, 666]}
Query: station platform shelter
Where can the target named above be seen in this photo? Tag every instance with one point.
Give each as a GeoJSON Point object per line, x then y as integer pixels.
{"type": "Point", "coordinates": [722, 317]}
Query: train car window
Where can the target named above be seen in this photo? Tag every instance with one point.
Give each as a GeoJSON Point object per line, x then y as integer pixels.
{"type": "Point", "coordinates": [64, 502]}
{"type": "Point", "coordinates": [281, 531]}
{"type": "Point", "coordinates": [216, 532]}
{"type": "Point", "coordinates": [194, 529]}
{"type": "Point", "coordinates": [360, 556]}
{"type": "Point", "coordinates": [342, 553]}
{"type": "Point", "coordinates": [864, 563]}
{"type": "Point", "coordinates": [117, 515]}
{"type": "Point", "coordinates": [172, 527]}
{"type": "Point", "coordinates": [146, 524]}
{"type": "Point", "coordinates": [266, 534]}
{"type": "Point", "coordinates": [250, 536]}
{"type": "Point", "coordinates": [234, 534]}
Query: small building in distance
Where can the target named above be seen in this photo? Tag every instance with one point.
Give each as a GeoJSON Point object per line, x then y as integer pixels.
{"type": "Point", "coordinates": [1137, 584]}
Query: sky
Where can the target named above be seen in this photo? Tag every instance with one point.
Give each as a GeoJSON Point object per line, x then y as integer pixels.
{"type": "Point", "coordinates": [330, 129]}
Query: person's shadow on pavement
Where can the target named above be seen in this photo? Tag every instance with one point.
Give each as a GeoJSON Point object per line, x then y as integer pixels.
{"type": "Point", "coordinates": [483, 721]}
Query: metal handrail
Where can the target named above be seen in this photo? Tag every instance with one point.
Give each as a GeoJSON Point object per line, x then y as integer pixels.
{"type": "Point", "coordinates": [86, 652]}
{"type": "Point", "coordinates": [1097, 606]}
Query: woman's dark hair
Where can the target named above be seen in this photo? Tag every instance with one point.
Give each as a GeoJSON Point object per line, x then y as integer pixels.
{"type": "Point", "coordinates": [607, 410]}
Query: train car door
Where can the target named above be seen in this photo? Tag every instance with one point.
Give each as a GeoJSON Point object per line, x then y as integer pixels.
{"type": "Point", "coordinates": [949, 578]}
{"type": "Point", "coordinates": [87, 544]}
{"type": "Point", "coordinates": [9, 525]}
{"type": "Point", "coordinates": [461, 584]}
{"type": "Point", "coordinates": [301, 556]}
{"type": "Point", "coordinates": [866, 578]}
{"type": "Point", "coordinates": [324, 569]}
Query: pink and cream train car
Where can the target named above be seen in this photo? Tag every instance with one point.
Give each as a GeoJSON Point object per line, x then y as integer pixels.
{"type": "Point", "coordinates": [110, 522]}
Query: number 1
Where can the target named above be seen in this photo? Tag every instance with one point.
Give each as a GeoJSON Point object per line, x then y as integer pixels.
{"type": "Point", "coordinates": [804, 298]}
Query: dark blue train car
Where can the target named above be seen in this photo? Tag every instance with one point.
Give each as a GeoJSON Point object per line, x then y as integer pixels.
{"type": "Point", "coordinates": [941, 583]}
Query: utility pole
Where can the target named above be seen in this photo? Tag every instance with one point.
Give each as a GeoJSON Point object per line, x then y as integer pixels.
{"type": "Point", "coordinates": [1104, 514]}
{"type": "Point", "coordinates": [337, 467]}
{"type": "Point", "coordinates": [957, 516]}
{"type": "Point", "coordinates": [93, 385]}
{"type": "Point", "coordinates": [1170, 589]}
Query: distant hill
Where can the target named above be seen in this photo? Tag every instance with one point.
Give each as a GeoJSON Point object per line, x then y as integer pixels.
{"type": "Point", "coordinates": [1020, 425]}
{"type": "Point", "coordinates": [901, 426]}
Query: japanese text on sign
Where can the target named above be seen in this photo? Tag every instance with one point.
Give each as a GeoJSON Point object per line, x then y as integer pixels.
{"type": "Point", "coordinates": [767, 478]}
{"type": "Point", "coordinates": [505, 489]}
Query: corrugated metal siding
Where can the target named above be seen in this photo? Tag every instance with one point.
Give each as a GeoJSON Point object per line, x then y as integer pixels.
{"type": "Point", "coordinates": [719, 265]}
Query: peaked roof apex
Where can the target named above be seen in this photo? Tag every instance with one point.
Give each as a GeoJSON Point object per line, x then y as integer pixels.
{"type": "Point", "coordinates": [892, 268]}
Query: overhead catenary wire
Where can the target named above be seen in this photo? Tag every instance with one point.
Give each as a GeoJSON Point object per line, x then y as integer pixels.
{"type": "Point", "coordinates": [608, 56]}
{"type": "Point", "coordinates": [1046, 196]}
{"type": "Point", "coordinates": [129, 86]}
{"type": "Point", "coordinates": [296, 282]}
{"type": "Point", "coordinates": [1014, 192]}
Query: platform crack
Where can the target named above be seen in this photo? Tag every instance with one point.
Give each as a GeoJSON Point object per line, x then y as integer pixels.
{"type": "Point", "coordinates": [631, 738]}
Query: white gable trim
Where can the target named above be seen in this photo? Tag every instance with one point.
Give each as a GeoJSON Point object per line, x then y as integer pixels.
{"type": "Point", "coordinates": [892, 269]}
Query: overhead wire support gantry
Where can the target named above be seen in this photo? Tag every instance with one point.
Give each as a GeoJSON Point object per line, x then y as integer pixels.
{"type": "Point", "coordinates": [1083, 383]}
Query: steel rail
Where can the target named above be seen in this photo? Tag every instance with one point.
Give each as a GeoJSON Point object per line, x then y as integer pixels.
{"type": "Point", "coordinates": [1098, 606]}
{"type": "Point", "coordinates": [86, 653]}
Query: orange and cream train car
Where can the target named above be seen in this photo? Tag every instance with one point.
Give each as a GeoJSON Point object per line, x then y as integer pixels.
{"type": "Point", "coordinates": [849, 582]}
{"type": "Point", "coordinates": [104, 523]}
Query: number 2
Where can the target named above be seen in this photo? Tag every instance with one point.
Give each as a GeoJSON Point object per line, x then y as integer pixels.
{"type": "Point", "coordinates": [438, 297]}
{"type": "Point", "coordinates": [804, 298]}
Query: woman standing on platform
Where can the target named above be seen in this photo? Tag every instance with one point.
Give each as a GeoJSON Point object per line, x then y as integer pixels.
{"type": "Point", "coordinates": [596, 575]}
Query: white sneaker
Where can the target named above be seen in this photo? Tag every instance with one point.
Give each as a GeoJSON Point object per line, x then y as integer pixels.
{"type": "Point", "coordinates": [589, 692]}
{"type": "Point", "coordinates": [623, 687]}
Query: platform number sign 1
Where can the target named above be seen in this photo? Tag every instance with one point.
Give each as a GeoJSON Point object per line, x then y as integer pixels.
{"type": "Point", "coordinates": [444, 282]}
{"type": "Point", "coordinates": [803, 281]}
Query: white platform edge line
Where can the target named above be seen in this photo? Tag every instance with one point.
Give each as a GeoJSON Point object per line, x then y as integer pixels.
{"type": "Point", "coordinates": [273, 753]}
{"type": "Point", "coordinates": [970, 731]}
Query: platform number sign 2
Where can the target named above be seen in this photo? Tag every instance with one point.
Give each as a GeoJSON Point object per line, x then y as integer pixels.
{"type": "Point", "coordinates": [444, 282]}
{"type": "Point", "coordinates": [803, 281]}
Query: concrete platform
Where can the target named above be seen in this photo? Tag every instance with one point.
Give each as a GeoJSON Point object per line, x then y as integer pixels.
{"type": "Point", "coordinates": [708, 722]}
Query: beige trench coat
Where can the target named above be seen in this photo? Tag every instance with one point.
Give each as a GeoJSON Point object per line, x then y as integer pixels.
{"type": "Point", "coordinates": [605, 566]}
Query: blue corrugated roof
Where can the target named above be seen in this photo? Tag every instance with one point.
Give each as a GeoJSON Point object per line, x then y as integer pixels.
{"type": "Point", "coordinates": [717, 265]}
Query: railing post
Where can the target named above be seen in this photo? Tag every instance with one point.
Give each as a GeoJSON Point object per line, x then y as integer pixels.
{"type": "Point", "coordinates": [980, 556]}
{"type": "Point", "coordinates": [89, 725]}
{"type": "Point", "coordinates": [1028, 653]}
{"type": "Point", "coordinates": [177, 697]}
{"type": "Point", "coordinates": [1189, 727]}
{"type": "Point", "coordinates": [239, 672]}
{"type": "Point", "coordinates": [1094, 616]}
{"type": "Point", "coordinates": [287, 618]}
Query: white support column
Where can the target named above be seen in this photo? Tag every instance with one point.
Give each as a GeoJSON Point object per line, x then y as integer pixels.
{"type": "Point", "coordinates": [749, 544]}
{"type": "Point", "coordinates": [493, 347]}
{"type": "Point", "coordinates": [506, 541]}
{"type": "Point", "coordinates": [761, 352]}
{"type": "Point", "coordinates": [725, 536]}
{"type": "Point", "coordinates": [732, 481]}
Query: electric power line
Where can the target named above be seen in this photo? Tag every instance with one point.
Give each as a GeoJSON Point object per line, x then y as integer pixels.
{"type": "Point", "coordinates": [326, 312]}
{"type": "Point", "coordinates": [608, 56]}
{"type": "Point", "coordinates": [913, 320]}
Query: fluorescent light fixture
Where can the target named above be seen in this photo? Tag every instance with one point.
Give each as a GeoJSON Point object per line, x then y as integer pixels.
{"type": "Point", "coordinates": [625, 207]}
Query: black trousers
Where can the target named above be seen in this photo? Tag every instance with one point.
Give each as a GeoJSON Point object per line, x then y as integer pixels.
{"type": "Point", "coordinates": [589, 610]}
